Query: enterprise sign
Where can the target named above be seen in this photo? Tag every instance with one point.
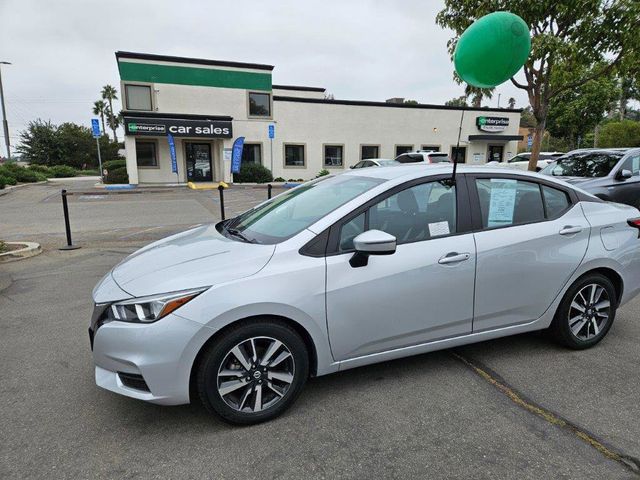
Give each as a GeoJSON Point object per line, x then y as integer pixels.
{"type": "Point", "coordinates": [492, 124]}
{"type": "Point", "coordinates": [178, 127]}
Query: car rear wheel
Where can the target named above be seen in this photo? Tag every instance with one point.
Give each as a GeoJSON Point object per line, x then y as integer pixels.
{"type": "Point", "coordinates": [586, 313]}
{"type": "Point", "coordinates": [253, 372]}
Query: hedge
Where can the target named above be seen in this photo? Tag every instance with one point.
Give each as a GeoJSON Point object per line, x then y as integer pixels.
{"type": "Point", "coordinates": [62, 171]}
{"type": "Point", "coordinates": [116, 175]}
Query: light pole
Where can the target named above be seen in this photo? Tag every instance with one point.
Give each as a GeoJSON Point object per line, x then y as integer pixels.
{"type": "Point", "coordinates": [5, 124]}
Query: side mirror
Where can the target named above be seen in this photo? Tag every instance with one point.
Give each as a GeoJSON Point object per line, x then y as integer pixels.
{"type": "Point", "coordinates": [624, 174]}
{"type": "Point", "coordinates": [372, 242]}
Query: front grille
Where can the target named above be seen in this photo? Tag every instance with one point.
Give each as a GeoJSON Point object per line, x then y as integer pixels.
{"type": "Point", "coordinates": [133, 380]}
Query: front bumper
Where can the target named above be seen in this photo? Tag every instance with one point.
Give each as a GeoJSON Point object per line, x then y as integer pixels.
{"type": "Point", "coordinates": [162, 353]}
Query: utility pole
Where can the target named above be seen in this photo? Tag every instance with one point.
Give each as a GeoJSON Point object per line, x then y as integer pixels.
{"type": "Point", "coordinates": [5, 124]}
{"type": "Point", "coordinates": [499, 95]}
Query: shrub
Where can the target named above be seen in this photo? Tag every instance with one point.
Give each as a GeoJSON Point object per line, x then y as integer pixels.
{"type": "Point", "coordinates": [279, 179]}
{"type": "Point", "coordinates": [253, 173]}
{"type": "Point", "coordinates": [117, 175]}
{"type": "Point", "coordinates": [322, 173]}
{"type": "Point", "coordinates": [113, 164]}
{"type": "Point", "coordinates": [25, 175]}
{"type": "Point", "coordinates": [61, 171]}
{"type": "Point", "coordinates": [301, 180]}
{"type": "Point", "coordinates": [40, 169]}
{"type": "Point", "coordinates": [291, 180]}
{"type": "Point", "coordinates": [4, 181]}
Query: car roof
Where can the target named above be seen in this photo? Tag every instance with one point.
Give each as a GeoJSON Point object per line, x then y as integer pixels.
{"type": "Point", "coordinates": [601, 150]}
{"type": "Point", "coordinates": [418, 170]}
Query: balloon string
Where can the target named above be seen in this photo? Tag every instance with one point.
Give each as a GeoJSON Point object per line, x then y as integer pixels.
{"type": "Point", "coordinates": [455, 156]}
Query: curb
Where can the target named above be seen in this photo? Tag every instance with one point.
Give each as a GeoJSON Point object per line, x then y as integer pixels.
{"type": "Point", "coordinates": [31, 249]}
{"type": "Point", "coordinates": [9, 188]}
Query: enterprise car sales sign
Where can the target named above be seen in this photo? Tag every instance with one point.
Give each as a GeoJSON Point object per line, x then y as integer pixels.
{"type": "Point", "coordinates": [178, 128]}
{"type": "Point", "coordinates": [492, 124]}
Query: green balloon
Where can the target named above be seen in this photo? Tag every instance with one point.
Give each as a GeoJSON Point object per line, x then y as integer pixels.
{"type": "Point", "coordinates": [492, 49]}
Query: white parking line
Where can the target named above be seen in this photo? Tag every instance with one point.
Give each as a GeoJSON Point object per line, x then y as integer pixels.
{"type": "Point", "coordinates": [140, 232]}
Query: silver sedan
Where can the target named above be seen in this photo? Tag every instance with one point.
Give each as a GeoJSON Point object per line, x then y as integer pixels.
{"type": "Point", "coordinates": [349, 270]}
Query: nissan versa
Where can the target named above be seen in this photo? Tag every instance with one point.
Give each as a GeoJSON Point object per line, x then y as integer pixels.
{"type": "Point", "coordinates": [349, 270]}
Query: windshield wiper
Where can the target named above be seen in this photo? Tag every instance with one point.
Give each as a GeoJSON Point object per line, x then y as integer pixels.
{"type": "Point", "coordinates": [237, 233]}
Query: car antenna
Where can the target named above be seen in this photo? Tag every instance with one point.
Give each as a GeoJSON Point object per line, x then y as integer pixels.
{"type": "Point", "coordinates": [455, 154]}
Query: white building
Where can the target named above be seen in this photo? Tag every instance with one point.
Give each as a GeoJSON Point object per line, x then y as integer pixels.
{"type": "Point", "coordinates": [206, 104]}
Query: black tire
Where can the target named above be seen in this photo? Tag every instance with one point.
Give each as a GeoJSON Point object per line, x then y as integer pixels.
{"type": "Point", "coordinates": [218, 352]}
{"type": "Point", "coordinates": [560, 328]}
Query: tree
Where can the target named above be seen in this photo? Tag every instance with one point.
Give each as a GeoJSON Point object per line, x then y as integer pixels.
{"type": "Point", "coordinates": [457, 102]}
{"type": "Point", "coordinates": [100, 108]}
{"type": "Point", "coordinates": [568, 38]}
{"type": "Point", "coordinates": [477, 94]}
{"type": "Point", "coordinates": [511, 102]}
{"type": "Point", "coordinates": [113, 121]}
{"type": "Point", "coordinates": [110, 94]}
{"type": "Point", "coordinates": [68, 144]}
{"type": "Point", "coordinates": [527, 119]}
{"type": "Point", "coordinates": [575, 112]}
{"type": "Point", "coordinates": [624, 133]}
{"type": "Point", "coordinates": [411, 102]}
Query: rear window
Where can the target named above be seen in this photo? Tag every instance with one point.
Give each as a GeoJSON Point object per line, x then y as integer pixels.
{"type": "Point", "coordinates": [439, 158]}
{"type": "Point", "coordinates": [410, 158]}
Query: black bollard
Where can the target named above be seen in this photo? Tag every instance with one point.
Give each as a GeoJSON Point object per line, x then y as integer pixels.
{"type": "Point", "coordinates": [269, 187]}
{"type": "Point", "coordinates": [67, 225]}
{"type": "Point", "coordinates": [221, 190]}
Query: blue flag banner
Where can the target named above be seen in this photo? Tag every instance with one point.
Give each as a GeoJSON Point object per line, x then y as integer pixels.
{"type": "Point", "coordinates": [172, 151]}
{"type": "Point", "coordinates": [236, 155]}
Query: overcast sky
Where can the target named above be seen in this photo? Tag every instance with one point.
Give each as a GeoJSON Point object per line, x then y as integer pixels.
{"type": "Point", "coordinates": [63, 51]}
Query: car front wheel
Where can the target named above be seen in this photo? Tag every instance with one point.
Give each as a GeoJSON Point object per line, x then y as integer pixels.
{"type": "Point", "coordinates": [586, 313]}
{"type": "Point", "coordinates": [253, 372]}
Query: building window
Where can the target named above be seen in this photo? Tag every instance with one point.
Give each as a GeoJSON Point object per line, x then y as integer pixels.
{"type": "Point", "coordinates": [252, 153]}
{"type": "Point", "coordinates": [369, 151]}
{"type": "Point", "coordinates": [400, 149]}
{"type": "Point", "coordinates": [432, 148]}
{"type": "Point", "coordinates": [138, 97]}
{"type": "Point", "coordinates": [146, 153]}
{"type": "Point", "coordinates": [294, 155]}
{"type": "Point", "coordinates": [459, 154]}
{"type": "Point", "coordinates": [259, 104]}
{"type": "Point", "coordinates": [333, 155]}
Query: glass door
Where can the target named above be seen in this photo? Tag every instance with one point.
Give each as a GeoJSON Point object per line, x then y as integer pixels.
{"type": "Point", "coordinates": [495, 153]}
{"type": "Point", "coordinates": [199, 166]}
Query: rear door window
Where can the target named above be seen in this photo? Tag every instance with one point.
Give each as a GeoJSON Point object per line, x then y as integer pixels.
{"type": "Point", "coordinates": [505, 202]}
{"type": "Point", "coordinates": [555, 201]}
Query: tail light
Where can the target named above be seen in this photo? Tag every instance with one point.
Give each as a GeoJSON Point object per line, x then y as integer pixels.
{"type": "Point", "coordinates": [635, 223]}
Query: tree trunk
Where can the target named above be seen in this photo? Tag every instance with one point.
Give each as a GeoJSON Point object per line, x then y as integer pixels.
{"type": "Point", "coordinates": [104, 128]}
{"type": "Point", "coordinates": [113, 129]}
{"type": "Point", "coordinates": [538, 134]}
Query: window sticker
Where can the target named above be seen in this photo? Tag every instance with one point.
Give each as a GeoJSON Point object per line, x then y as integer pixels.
{"type": "Point", "coordinates": [438, 229]}
{"type": "Point", "coordinates": [503, 201]}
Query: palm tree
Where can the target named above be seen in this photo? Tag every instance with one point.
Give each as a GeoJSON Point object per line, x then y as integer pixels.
{"type": "Point", "coordinates": [113, 121]}
{"type": "Point", "coordinates": [100, 108]}
{"type": "Point", "coordinates": [511, 102]}
{"type": "Point", "coordinates": [110, 94]}
{"type": "Point", "coordinates": [477, 94]}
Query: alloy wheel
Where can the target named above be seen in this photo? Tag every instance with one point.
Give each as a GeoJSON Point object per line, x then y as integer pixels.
{"type": "Point", "coordinates": [589, 311]}
{"type": "Point", "coordinates": [255, 374]}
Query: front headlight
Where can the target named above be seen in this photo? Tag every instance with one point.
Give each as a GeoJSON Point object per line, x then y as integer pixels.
{"type": "Point", "coordinates": [152, 308]}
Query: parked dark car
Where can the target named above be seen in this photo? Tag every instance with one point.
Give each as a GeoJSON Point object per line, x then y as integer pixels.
{"type": "Point", "coordinates": [610, 174]}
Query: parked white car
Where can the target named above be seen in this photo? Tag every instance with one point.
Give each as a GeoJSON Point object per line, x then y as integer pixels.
{"type": "Point", "coordinates": [521, 161]}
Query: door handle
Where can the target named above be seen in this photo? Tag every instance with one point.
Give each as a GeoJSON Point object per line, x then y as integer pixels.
{"type": "Point", "coordinates": [454, 257]}
{"type": "Point", "coordinates": [570, 230]}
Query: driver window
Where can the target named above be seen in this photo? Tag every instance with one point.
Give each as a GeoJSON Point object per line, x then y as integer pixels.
{"type": "Point", "coordinates": [633, 165]}
{"type": "Point", "coordinates": [418, 213]}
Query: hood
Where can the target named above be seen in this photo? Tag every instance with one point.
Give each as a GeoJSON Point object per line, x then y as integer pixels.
{"type": "Point", "coordinates": [196, 258]}
{"type": "Point", "coordinates": [582, 182]}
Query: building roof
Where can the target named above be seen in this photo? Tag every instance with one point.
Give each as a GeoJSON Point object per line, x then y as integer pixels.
{"type": "Point", "coordinates": [196, 61]}
{"type": "Point", "coordinates": [280, 98]}
{"type": "Point", "coordinates": [299, 88]}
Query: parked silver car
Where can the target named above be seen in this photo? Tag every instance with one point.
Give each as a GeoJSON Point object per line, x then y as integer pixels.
{"type": "Point", "coordinates": [349, 270]}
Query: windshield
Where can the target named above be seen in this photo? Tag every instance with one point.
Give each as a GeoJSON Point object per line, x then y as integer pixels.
{"type": "Point", "coordinates": [587, 164]}
{"type": "Point", "coordinates": [519, 158]}
{"type": "Point", "coordinates": [387, 163]}
{"type": "Point", "coordinates": [293, 211]}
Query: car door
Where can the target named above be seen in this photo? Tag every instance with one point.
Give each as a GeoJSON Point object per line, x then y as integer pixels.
{"type": "Point", "coordinates": [627, 190]}
{"type": "Point", "coordinates": [422, 292]}
{"type": "Point", "coordinates": [530, 238]}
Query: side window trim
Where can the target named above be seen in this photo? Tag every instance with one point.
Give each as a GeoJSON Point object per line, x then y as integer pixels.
{"type": "Point", "coordinates": [475, 203]}
{"type": "Point", "coordinates": [463, 218]}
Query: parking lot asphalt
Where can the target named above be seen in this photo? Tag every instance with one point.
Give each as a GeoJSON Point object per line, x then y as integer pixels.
{"type": "Point", "coordinates": [429, 416]}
